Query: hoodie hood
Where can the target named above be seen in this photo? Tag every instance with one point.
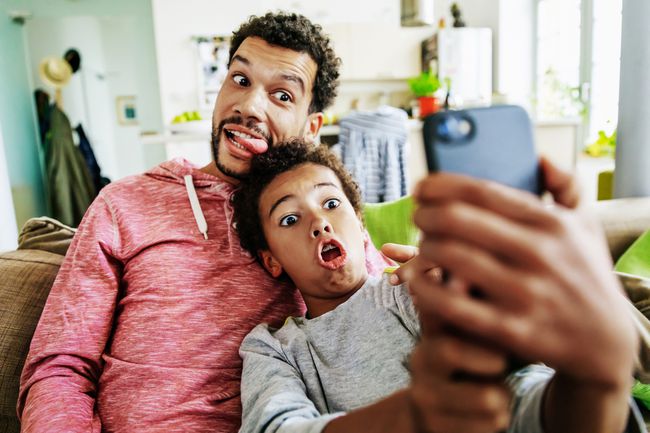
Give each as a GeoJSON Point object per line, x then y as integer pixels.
{"type": "Point", "coordinates": [175, 170]}
{"type": "Point", "coordinates": [183, 172]}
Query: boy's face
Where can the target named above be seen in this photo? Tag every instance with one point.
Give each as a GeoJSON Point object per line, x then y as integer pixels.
{"type": "Point", "coordinates": [314, 235]}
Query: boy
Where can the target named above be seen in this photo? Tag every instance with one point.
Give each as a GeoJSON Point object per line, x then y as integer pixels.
{"type": "Point", "coordinates": [299, 214]}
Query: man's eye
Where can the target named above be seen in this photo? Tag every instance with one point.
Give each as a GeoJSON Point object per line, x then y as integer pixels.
{"type": "Point", "coordinates": [240, 79]}
{"type": "Point", "coordinates": [283, 96]}
{"type": "Point", "coordinates": [289, 220]}
{"type": "Point", "coordinates": [332, 203]}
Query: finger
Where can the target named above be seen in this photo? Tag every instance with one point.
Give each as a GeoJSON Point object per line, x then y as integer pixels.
{"type": "Point", "coordinates": [487, 229]}
{"type": "Point", "coordinates": [399, 253]}
{"type": "Point", "coordinates": [512, 203]}
{"type": "Point", "coordinates": [497, 280]}
{"type": "Point", "coordinates": [475, 318]}
{"type": "Point", "coordinates": [449, 423]}
{"type": "Point", "coordinates": [413, 267]}
{"type": "Point", "coordinates": [439, 357]}
{"type": "Point", "coordinates": [561, 184]}
{"type": "Point", "coordinates": [471, 399]}
{"type": "Point", "coordinates": [430, 418]}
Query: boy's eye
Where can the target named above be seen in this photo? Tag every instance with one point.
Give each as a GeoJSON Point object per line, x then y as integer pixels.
{"type": "Point", "coordinates": [240, 79]}
{"type": "Point", "coordinates": [282, 96]}
{"type": "Point", "coordinates": [332, 203]}
{"type": "Point", "coordinates": [289, 220]}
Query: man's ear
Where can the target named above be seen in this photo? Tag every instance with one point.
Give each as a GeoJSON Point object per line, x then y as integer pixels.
{"type": "Point", "coordinates": [270, 263]}
{"type": "Point", "coordinates": [314, 123]}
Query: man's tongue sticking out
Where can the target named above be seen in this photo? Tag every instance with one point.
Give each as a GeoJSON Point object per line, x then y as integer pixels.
{"type": "Point", "coordinates": [252, 144]}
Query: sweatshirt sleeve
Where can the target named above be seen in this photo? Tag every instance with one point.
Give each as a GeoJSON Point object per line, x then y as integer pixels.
{"type": "Point", "coordinates": [273, 394]}
{"type": "Point", "coordinates": [528, 386]}
{"type": "Point", "coordinates": [58, 385]}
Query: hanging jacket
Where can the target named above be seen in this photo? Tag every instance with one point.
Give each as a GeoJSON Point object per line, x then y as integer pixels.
{"type": "Point", "coordinates": [69, 188]}
{"type": "Point", "coordinates": [91, 162]}
{"type": "Point", "coordinates": [373, 149]}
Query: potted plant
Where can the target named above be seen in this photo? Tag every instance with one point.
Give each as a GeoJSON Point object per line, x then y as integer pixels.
{"type": "Point", "coordinates": [424, 86]}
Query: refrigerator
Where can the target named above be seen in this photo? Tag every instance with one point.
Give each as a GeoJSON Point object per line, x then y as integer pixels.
{"type": "Point", "coordinates": [464, 57]}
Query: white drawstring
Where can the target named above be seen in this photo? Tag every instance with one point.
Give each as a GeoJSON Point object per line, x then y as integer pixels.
{"type": "Point", "coordinates": [196, 206]}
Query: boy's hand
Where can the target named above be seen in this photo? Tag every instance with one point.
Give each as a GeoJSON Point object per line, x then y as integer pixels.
{"type": "Point", "coordinates": [442, 403]}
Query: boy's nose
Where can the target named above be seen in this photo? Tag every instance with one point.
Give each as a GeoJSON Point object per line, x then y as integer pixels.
{"type": "Point", "coordinates": [319, 227]}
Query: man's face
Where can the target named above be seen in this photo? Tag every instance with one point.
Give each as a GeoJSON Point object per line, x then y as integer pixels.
{"type": "Point", "coordinates": [313, 234]}
{"type": "Point", "coordinates": [264, 100]}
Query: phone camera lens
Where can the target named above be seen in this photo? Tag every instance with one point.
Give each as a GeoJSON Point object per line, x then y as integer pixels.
{"type": "Point", "coordinates": [453, 129]}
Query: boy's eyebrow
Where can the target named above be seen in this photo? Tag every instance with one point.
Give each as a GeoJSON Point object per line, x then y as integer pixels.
{"type": "Point", "coordinates": [288, 196]}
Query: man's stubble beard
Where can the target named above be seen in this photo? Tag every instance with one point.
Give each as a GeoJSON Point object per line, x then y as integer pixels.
{"type": "Point", "coordinates": [216, 135]}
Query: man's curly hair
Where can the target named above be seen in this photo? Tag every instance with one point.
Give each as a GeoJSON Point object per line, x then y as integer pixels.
{"type": "Point", "coordinates": [267, 166]}
{"type": "Point", "coordinates": [296, 32]}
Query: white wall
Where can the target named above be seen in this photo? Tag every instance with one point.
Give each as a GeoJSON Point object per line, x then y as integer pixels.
{"type": "Point", "coordinates": [513, 40]}
{"type": "Point", "coordinates": [86, 98]}
{"type": "Point", "coordinates": [111, 66]}
{"type": "Point", "coordinates": [176, 22]}
{"type": "Point", "coordinates": [8, 229]}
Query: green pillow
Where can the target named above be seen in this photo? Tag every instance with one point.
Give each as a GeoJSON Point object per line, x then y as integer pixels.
{"type": "Point", "coordinates": [636, 259]}
{"type": "Point", "coordinates": [391, 222]}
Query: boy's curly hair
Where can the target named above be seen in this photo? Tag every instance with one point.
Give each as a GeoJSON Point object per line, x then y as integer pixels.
{"type": "Point", "coordinates": [296, 32]}
{"type": "Point", "coordinates": [267, 166]}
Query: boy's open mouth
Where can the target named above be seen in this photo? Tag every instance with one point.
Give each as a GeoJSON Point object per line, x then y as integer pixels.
{"type": "Point", "coordinates": [331, 254]}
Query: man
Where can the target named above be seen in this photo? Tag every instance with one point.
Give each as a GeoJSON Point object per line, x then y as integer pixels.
{"type": "Point", "coordinates": [142, 327]}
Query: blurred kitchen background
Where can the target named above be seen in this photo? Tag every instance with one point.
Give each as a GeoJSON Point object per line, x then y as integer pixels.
{"type": "Point", "coordinates": [149, 71]}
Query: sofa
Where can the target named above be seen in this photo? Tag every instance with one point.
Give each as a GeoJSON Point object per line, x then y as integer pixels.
{"type": "Point", "coordinates": [27, 274]}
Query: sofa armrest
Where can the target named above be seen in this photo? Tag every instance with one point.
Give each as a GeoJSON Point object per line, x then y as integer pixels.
{"type": "Point", "coordinates": [623, 220]}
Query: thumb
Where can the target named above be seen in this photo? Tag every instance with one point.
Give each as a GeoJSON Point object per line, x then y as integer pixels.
{"type": "Point", "coordinates": [561, 184]}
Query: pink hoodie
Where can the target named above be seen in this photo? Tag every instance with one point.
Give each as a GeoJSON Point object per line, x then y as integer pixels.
{"type": "Point", "coordinates": [153, 345]}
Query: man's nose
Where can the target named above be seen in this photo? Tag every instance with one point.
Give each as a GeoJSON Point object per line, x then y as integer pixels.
{"type": "Point", "coordinates": [320, 226]}
{"type": "Point", "coordinates": [252, 104]}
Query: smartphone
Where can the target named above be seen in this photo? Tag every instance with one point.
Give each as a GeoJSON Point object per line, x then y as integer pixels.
{"type": "Point", "coordinates": [494, 143]}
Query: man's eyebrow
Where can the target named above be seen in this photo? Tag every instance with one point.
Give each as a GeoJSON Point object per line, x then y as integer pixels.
{"type": "Point", "coordinates": [295, 79]}
{"type": "Point", "coordinates": [239, 58]}
{"type": "Point", "coordinates": [288, 196]}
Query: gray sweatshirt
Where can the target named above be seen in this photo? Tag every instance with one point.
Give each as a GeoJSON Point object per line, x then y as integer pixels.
{"type": "Point", "coordinates": [299, 377]}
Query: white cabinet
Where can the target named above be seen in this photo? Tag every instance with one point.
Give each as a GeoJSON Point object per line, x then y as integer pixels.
{"type": "Point", "coordinates": [377, 52]}
{"type": "Point", "coordinates": [465, 57]}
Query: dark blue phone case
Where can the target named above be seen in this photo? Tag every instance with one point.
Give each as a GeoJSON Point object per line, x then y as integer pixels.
{"type": "Point", "coordinates": [494, 143]}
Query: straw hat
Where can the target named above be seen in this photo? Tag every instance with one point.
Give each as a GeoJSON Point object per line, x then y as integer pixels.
{"type": "Point", "coordinates": [55, 72]}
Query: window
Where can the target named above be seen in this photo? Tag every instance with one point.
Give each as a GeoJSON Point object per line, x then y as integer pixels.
{"type": "Point", "coordinates": [578, 62]}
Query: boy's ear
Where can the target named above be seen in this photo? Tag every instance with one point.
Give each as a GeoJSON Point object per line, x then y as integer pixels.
{"type": "Point", "coordinates": [270, 263]}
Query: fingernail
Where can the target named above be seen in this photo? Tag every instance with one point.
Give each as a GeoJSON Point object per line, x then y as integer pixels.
{"type": "Point", "coordinates": [393, 279]}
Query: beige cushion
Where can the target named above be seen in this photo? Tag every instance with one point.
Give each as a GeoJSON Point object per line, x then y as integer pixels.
{"type": "Point", "coordinates": [638, 291]}
{"type": "Point", "coordinates": [45, 234]}
{"type": "Point", "coordinates": [623, 220]}
{"type": "Point", "coordinates": [27, 276]}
